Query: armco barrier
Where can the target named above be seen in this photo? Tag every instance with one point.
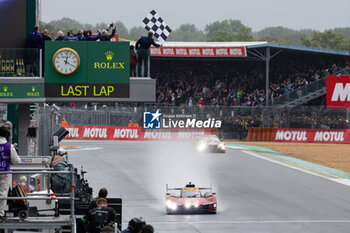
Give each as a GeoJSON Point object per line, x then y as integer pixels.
{"type": "Point", "coordinates": [131, 133]}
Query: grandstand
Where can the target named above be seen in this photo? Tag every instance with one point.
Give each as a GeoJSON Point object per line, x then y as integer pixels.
{"type": "Point", "coordinates": [261, 67]}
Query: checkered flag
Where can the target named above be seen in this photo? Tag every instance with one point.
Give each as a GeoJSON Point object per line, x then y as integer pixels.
{"type": "Point", "coordinates": [154, 23]}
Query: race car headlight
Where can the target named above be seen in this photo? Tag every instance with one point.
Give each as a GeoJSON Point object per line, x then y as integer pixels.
{"type": "Point", "coordinates": [187, 205]}
{"type": "Point", "coordinates": [201, 146]}
{"type": "Point", "coordinates": [196, 204]}
{"type": "Point", "coordinates": [171, 205]}
{"type": "Point", "coordinates": [222, 146]}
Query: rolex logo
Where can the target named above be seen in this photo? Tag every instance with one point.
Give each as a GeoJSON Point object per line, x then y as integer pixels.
{"type": "Point", "coordinates": [33, 89]}
{"type": "Point", "coordinates": [109, 55]}
{"type": "Point", "coordinates": [5, 88]}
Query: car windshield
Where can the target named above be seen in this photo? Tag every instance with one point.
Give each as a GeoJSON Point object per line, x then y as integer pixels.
{"type": "Point", "coordinates": [191, 193]}
{"type": "Point", "coordinates": [210, 139]}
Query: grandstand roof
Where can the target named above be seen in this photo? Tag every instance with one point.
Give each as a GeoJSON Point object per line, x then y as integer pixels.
{"type": "Point", "coordinates": [214, 44]}
{"type": "Point", "coordinates": [256, 44]}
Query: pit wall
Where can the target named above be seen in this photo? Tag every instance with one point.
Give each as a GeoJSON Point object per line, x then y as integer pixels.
{"type": "Point", "coordinates": [299, 135]}
{"type": "Point", "coordinates": [133, 133]}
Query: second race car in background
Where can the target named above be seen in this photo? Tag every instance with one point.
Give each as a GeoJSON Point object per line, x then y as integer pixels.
{"type": "Point", "coordinates": [209, 143]}
{"type": "Point", "coordinates": [190, 200]}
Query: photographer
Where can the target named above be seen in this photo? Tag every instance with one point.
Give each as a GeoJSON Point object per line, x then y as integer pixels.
{"type": "Point", "coordinates": [99, 217]}
{"type": "Point", "coordinates": [105, 36]}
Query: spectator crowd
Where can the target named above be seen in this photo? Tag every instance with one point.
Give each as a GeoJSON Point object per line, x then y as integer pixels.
{"type": "Point", "coordinates": [225, 83]}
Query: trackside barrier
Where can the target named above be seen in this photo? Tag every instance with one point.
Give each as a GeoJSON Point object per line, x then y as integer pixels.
{"type": "Point", "coordinates": [42, 225]}
{"type": "Point", "coordinates": [299, 135]}
{"type": "Point", "coordinates": [313, 135]}
{"type": "Point", "coordinates": [133, 133]}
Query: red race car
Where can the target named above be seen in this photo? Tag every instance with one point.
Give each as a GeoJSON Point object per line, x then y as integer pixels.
{"type": "Point", "coordinates": [190, 199]}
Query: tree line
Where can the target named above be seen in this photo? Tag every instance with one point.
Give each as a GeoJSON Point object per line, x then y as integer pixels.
{"type": "Point", "coordinates": [225, 30]}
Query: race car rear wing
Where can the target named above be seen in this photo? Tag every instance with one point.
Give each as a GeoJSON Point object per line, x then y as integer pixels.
{"type": "Point", "coordinates": [200, 188]}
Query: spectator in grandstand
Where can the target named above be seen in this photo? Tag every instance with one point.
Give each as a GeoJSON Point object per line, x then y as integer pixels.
{"type": "Point", "coordinates": [190, 102]}
{"type": "Point", "coordinates": [60, 36]}
{"type": "Point", "coordinates": [70, 36]}
{"type": "Point", "coordinates": [105, 36]}
{"type": "Point", "coordinates": [133, 61]}
{"type": "Point", "coordinates": [201, 102]}
{"type": "Point", "coordinates": [35, 40]}
{"type": "Point", "coordinates": [8, 156]}
{"type": "Point", "coordinates": [97, 218]}
{"type": "Point", "coordinates": [142, 47]}
{"type": "Point", "coordinates": [101, 194]}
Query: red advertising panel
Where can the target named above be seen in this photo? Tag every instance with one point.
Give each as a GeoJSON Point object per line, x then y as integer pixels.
{"type": "Point", "coordinates": [130, 133]}
{"type": "Point", "coordinates": [199, 51]}
{"type": "Point", "coordinates": [338, 91]}
{"type": "Point", "coordinates": [313, 135]}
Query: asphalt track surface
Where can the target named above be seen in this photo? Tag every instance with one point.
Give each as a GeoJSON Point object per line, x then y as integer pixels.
{"type": "Point", "coordinates": [254, 195]}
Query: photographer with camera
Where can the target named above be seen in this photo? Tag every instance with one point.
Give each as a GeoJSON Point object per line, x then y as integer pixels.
{"type": "Point", "coordinates": [105, 36]}
{"type": "Point", "coordinates": [99, 217]}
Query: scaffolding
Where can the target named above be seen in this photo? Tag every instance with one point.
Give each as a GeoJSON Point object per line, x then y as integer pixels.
{"type": "Point", "coordinates": [48, 222]}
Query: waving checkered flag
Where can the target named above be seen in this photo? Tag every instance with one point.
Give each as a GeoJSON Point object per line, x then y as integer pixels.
{"type": "Point", "coordinates": [154, 23]}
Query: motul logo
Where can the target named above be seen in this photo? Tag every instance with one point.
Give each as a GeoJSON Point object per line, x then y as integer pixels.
{"type": "Point", "coordinates": [338, 91]}
{"type": "Point", "coordinates": [329, 136]}
{"type": "Point", "coordinates": [73, 132]}
{"type": "Point", "coordinates": [95, 133]}
{"type": "Point", "coordinates": [126, 133]}
{"type": "Point", "coordinates": [290, 135]}
{"type": "Point", "coordinates": [150, 134]}
{"type": "Point", "coordinates": [341, 92]}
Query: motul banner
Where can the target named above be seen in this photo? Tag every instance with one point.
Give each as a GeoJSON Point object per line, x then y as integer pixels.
{"type": "Point", "coordinates": [199, 51]}
{"type": "Point", "coordinates": [130, 133]}
{"type": "Point", "coordinates": [338, 91]}
{"type": "Point", "coordinates": [313, 135]}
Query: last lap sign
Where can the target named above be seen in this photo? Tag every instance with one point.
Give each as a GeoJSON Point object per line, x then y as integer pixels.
{"type": "Point", "coordinates": [338, 91]}
{"type": "Point", "coordinates": [87, 69]}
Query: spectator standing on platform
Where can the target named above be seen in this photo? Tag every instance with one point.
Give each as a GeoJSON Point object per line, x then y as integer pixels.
{"type": "Point", "coordinates": [88, 35]}
{"type": "Point", "coordinates": [105, 36]}
{"type": "Point", "coordinates": [35, 40]}
{"type": "Point", "coordinates": [70, 36]}
{"type": "Point", "coordinates": [79, 35]}
{"type": "Point", "coordinates": [46, 36]}
{"type": "Point", "coordinates": [142, 47]}
{"type": "Point", "coordinates": [133, 61]}
{"type": "Point", "coordinates": [60, 36]}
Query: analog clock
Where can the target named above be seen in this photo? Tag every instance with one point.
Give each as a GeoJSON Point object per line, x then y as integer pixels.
{"type": "Point", "coordinates": [66, 61]}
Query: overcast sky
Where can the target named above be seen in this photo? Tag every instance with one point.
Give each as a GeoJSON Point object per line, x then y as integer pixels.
{"type": "Point", "coordinates": [257, 14]}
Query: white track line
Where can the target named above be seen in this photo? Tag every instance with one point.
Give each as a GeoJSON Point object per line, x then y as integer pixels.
{"type": "Point", "coordinates": [252, 221]}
